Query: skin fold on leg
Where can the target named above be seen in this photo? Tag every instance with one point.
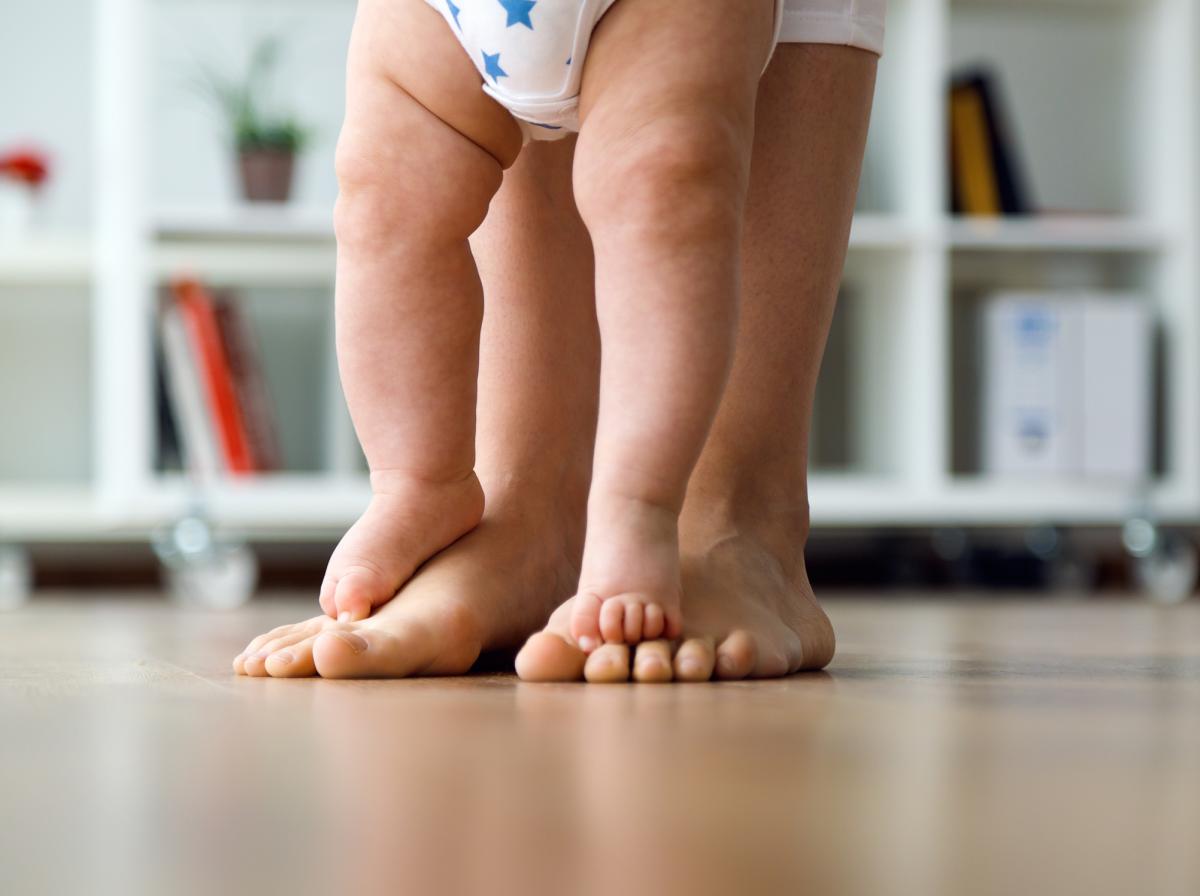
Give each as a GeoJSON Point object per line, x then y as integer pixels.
{"type": "Point", "coordinates": [661, 167]}
{"type": "Point", "coordinates": [749, 609]}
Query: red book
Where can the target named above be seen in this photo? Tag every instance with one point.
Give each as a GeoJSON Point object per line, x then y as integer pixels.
{"type": "Point", "coordinates": [250, 381]}
{"type": "Point", "coordinates": [200, 318]}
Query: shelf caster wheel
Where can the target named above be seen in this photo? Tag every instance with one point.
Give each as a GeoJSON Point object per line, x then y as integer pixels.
{"type": "Point", "coordinates": [16, 577]}
{"type": "Point", "coordinates": [201, 571]}
{"type": "Point", "coordinates": [1165, 564]}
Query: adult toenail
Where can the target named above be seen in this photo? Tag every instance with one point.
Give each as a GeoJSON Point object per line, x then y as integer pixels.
{"type": "Point", "coordinates": [283, 658]}
{"type": "Point", "coordinates": [353, 641]}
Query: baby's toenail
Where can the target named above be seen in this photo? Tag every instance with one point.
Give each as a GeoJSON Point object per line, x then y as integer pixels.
{"type": "Point", "coordinates": [726, 664]}
{"type": "Point", "coordinates": [586, 644]}
{"type": "Point", "coordinates": [689, 667]}
{"type": "Point", "coordinates": [344, 616]}
{"type": "Point", "coordinates": [353, 641]}
{"type": "Point", "coordinates": [283, 658]}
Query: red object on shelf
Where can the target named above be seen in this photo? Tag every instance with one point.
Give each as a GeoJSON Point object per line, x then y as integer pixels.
{"type": "Point", "coordinates": [200, 318]}
{"type": "Point", "coordinates": [27, 166]}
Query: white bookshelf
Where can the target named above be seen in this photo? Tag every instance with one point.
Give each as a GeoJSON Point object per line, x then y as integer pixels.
{"type": "Point", "coordinates": [1103, 96]}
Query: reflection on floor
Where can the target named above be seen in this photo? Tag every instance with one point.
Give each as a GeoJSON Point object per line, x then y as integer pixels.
{"type": "Point", "coordinates": [961, 747]}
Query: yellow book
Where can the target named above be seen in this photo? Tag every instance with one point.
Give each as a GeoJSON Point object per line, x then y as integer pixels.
{"type": "Point", "coordinates": [974, 167]}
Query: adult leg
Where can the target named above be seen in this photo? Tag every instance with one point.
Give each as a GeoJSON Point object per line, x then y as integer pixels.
{"type": "Point", "coordinates": [745, 521]}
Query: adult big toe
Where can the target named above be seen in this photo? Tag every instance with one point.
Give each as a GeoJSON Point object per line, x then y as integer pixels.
{"type": "Point", "coordinates": [548, 656]}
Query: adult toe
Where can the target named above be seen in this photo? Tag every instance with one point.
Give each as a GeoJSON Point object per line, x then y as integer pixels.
{"type": "Point", "coordinates": [694, 660]}
{"type": "Point", "coordinates": [652, 662]}
{"type": "Point", "coordinates": [607, 664]}
{"type": "Point", "coordinates": [548, 656]}
{"type": "Point", "coordinates": [736, 656]}
{"type": "Point", "coordinates": [293, 660]}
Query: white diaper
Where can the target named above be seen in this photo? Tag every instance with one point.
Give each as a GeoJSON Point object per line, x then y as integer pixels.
{"type": "Point", "coordinates": [530, 52]}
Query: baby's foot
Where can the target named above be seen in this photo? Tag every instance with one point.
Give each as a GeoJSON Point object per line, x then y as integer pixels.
{"type": "Point", "coordinates": [630, 588]}
{"type": "Point", "coordinates": [406, 523]}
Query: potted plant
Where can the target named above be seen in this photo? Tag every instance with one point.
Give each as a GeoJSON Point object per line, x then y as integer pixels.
{"type": "Point", "coordinates": [266, 142]}
{"type": "Point", "coordinates": [23, 173]}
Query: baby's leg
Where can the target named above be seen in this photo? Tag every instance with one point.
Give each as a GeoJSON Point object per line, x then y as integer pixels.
{"type": "Point", "coordinates": [409, 302]}
{"type": "Point", "coordinates": [661, 171]}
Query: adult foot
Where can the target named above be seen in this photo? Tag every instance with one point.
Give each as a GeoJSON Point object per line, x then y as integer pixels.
{"type": "Point", "coordinates": [406, 523]}
{"type": "Point", "coordinates": [750, 614]}
{"type": "Point", "coordinates": [488, 590]}
{"type": "Point", "coordinates": [630, 589]}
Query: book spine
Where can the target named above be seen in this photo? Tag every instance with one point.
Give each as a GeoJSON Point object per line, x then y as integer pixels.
{"type": "Point", "coordinates": [200, 320]}
{"type": "Point", "coordinates": [1010, 186]}
{"type": "Point", "coordinates": [974, 171]}
{"type": "Point", "coordinates": [250, 381]}
{"type": "Point", "coordinates": [183, 382]}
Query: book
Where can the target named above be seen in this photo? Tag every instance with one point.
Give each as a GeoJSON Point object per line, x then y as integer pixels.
{"type": "Point", "coordinates": [204, 336]}
{"type": "Point", "coordinates": [986, 177]}
{"type": "Point", "coordinates": [168, 454]}
{"type": "Point", "coordinates": [250, 383]}
{"type": "Point", "coordinates": [198, 440]}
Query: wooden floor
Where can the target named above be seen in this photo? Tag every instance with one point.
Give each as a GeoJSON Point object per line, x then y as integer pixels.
{"type": "Point", "coordinates": [954, 747]}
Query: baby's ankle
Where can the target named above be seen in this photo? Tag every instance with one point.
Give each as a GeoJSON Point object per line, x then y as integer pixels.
{"type": "Point", "coordinates": [611, 508]}
{"type": "Point", "coordinates": [405, 482]}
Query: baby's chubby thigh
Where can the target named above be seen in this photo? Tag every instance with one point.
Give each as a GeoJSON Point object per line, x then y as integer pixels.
{"type": "Point", "coordinates": [405, 47]}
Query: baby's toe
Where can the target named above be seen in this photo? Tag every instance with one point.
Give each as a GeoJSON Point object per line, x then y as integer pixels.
{"type": "Point", "coordinates": [585, 621]}
{"type": "Point", "coordinates": [358, 591]}
{"type": "Point", "coordinates": [612, 620]}
{"type": "Point", "coordinates": [652, 622]}
{"type": "Point", "coordinates": [633, 622]}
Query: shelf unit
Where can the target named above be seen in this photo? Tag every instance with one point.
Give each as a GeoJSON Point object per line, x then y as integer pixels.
{"type": "Point", "coordinates": [1103, 94]}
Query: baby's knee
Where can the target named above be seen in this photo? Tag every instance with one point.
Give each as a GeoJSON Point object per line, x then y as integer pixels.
{"type": "Point", "coordinates": [675, 177]}
{"type": "Point", "coordinates": [412, 192]}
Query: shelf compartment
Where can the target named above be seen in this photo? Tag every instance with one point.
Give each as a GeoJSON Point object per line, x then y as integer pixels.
{"type": "Point", "coordinates": [191, 158]}
{"type": "Point", "coordinates": [857, 415]}
{"type": "Point", "coordinates": [1074, 81]}
{"type": "Point", "coordinates": [293, 332]}
{"type": "Point", "coordinates": [45, 385]}
{"type": "Point", "coordinates": [977, 274]}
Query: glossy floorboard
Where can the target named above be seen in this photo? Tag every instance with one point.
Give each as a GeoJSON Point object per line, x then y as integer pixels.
{"type": "Point", "coordinates": [960, 746]}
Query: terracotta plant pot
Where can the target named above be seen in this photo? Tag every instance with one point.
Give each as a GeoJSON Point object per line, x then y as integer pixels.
{"type": "Point", "coordinates": [266, 174]}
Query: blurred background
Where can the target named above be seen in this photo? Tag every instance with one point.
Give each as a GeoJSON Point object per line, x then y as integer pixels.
{"type": "Point", "coordinates": [1010, 399]}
